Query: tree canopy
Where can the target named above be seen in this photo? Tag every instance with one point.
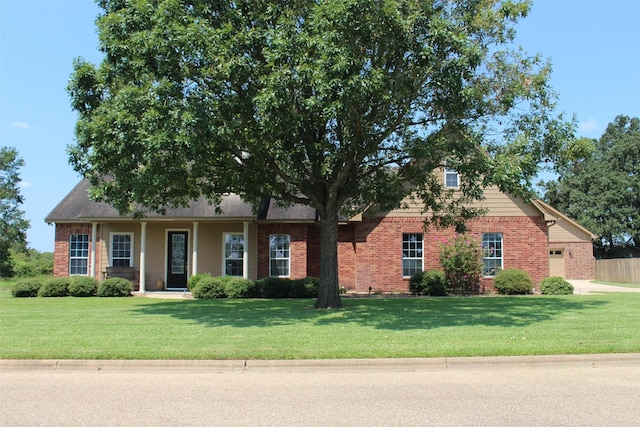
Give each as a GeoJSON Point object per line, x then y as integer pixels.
{"type": "Point", "coordinates": [13, 226]}
{"type": "Point", "coordinates": [603, 191]}
{"type": "Point", "coordinates": [337, 104]}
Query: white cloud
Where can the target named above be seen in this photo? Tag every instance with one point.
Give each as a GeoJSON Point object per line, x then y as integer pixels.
{"type": "Point", "coordinates": [589, 126]}
{"type": "Point", "coordinates": [21, 125]}
{"type": "Point", "coordinates": [24, 184]}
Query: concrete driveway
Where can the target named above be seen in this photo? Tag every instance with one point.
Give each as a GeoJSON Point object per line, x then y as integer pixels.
{"type": "Point", "coordinates": [587, 287]}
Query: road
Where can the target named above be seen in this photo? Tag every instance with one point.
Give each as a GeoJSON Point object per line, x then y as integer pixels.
{"type": "Point", "coordinates": [582, 391]}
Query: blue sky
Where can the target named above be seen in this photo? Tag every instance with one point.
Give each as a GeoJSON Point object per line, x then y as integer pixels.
{"type": "Point", "coordinates": [593, 44]}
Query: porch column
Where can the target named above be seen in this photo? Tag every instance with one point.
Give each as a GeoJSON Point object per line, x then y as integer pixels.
{"type": "Point", "coordinates": [94, 234]}
{"type": "Point", "coordinates": [194, 256]}
{"type": "Point", "coordinates": [143, 248]}
{"type": "Point", "coordinates": [245, 251]}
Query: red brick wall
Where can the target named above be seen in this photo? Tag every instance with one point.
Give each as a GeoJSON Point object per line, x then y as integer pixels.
{"type": "Point", "coordinates": [298, 248]}
{"type": "Point", "coordinates": [61, 248]}
{"type": "Point", "coordinates": [579, 262]}
{"type": "Point", "coordinates": [373, 256]}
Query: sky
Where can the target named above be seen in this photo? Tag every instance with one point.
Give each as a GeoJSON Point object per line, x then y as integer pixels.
{"type": "Point", "coordinates": [594, 46]}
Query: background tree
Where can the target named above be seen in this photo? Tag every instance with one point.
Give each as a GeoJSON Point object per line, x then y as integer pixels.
{"type": "Point", "coordinates": [13, 226]}
{"type": "Point", "coordinates": [337, 104]}
{"type": "Point", "coordinates": [603, 191]}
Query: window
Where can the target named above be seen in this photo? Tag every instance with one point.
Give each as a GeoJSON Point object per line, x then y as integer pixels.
{"type": "Point", "coordinates": [451, 179]}
{"type": "Point", "coordinates": [279, 255]}
{"type": "Point", "coordinates": [411, 254]}
{"type": "Point", "coordinates": [78, 254]}
{"type": "Point", "coordinates": [122, 249]}
{"type": "Point", "coordinates": [491, 253]}
{"type": "Point", "coordinates": [233, 253]}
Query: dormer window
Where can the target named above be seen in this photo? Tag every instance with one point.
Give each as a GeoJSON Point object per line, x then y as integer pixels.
{"type": "Point", "coordinates": [451, 178]}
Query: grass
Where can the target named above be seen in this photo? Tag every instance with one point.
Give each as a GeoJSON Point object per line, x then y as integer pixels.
{"type": "Point", "coordinates": [148, 328]}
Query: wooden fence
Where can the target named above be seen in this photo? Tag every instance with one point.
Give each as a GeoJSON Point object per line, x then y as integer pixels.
{"type": "Point", "coordinates": [620, 270]}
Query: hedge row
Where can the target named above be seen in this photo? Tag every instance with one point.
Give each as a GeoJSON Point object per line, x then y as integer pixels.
{"type": "Point", "coordinates": [76, 286]}
{"type": "Point", "coordinates": [205, 286]}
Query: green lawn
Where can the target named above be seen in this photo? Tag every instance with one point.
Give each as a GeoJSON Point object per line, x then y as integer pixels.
{"type": "Point", "coordinates": [148, 328]}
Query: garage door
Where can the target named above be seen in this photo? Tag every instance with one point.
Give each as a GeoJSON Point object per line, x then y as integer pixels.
{"type": "Point", "coordinates": [556, 262]}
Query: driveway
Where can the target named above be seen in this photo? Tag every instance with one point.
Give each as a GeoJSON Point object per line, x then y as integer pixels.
{"type": "Point", "coordinates": [586, 287]}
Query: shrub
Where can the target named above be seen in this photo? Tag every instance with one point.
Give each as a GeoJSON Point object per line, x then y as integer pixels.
{"type": "Point", "coordinates": [279, 287]}
{"type": "Point", "coordinates": [430, 282]}
{"type": "Point", "coordinates": [311, 285]}
{"type": "Point", "coordinates": [555, 286]}
{"type": "Point", "coordinates": [115, 287]}
{"type": "Point", "coordinates": [83, 286]}
{"type": "Point", "coordinates": [513, 281]}
{"type": "Point", "coordinates": [26, 288]}
{"type": "Point", "coordinates": [210, 288]}
{"type": "Point", "coordinates": [236, 287]}
{"type": "Point", "coordinates": [195, 279]}
{"type": "Point", "coordinates": [461, 260]}
{"type": "Point", "coordinates": [55, 287]}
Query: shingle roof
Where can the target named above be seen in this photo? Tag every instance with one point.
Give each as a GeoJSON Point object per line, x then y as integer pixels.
{"type": "Point", "coordinates": [77, 206]}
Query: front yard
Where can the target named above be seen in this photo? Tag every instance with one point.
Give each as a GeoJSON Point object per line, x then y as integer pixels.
{"type": "Point", "coordinates": [148, 328]}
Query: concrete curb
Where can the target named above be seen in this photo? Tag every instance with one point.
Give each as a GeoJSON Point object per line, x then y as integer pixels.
{"type": "Point", "coordinates": [314, 365]}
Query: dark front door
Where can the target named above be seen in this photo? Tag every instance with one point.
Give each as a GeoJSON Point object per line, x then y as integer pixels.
{"type": "Point", "coordinates": [177, 259]}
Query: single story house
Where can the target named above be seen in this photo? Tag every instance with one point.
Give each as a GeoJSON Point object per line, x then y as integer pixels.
{"type": "Point", "coordinates": [380, 252]}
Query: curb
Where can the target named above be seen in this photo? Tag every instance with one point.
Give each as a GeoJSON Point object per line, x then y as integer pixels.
{"type": "Point", "coordinates": [314, 365]}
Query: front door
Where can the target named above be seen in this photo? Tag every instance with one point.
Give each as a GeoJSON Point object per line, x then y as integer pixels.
{"type": "Point", "coordinates": [177, 259]}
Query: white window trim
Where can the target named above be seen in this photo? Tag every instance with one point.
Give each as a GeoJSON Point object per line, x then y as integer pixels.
{"type": "Point", "coordinates": [287, 258]}
{"type": "Point", "coordinates": [132, 252]}
{"type": "Point", "coordinates": [501, 257]}
{"type": "Point", "coordinates": [449, 171]}
{"type": "Point", "coordinates": [224, 259]}
{"type": "Point", "coordinates": [421, 258]}
{"type": "Point", "coordinates": [77, 257]}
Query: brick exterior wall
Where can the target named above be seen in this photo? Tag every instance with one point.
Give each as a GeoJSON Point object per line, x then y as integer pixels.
{"type": "Point", "coordinates": [61, 248]}
{"type": "Point", "coordinates": [372, 255]}
{"type": "Point", "coordinates": [579, 262]}
{"type": "Point", "coordinates": [298, 248]}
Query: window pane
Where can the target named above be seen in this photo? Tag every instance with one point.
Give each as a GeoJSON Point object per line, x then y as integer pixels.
{"type": "Point", "coordinates": [279, 255]}
{"type": "Point", "coordinates": [412, 261]}
{"type": "Point", "coordinates": [491, 253]}
{"type": "Point", "coordinates": [233, 254]}
{"type": "Point", "coordinates": [79, 254]}
{"type": "Point", "coordinates": [121, 250]}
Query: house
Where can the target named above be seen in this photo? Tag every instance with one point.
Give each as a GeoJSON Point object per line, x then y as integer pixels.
{"type": "Point", "coordinates": [379, 252]}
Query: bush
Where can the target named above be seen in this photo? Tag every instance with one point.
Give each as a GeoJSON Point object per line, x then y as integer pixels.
{"type": "Point", "coordinates": [555, 286]}
{"type": "Point", "coordinates": [195, 279]}
{"type": "Point", "coordinates": [26, 288]}
{"type": "Point", "coordinates": [115, 287]}
{"type": "Point", "coordinates": [278, 287]}
{"type": "Point", "coordinates": [237, 287]}
{"type": "Point", "coordinates": [430, 282]}
{"type": "Point", "coordinates": [513, 281]}
{"type": "Point", "coordinates": [311, 285]}
{"type": "Point", "coordinates": [461, 260]}
{"type": "Point", "coordinates": [55, 287]}
{"type": "Point", "coordinates": [83, 286]}
{"type": "Point", "coordinates": [210, 288]}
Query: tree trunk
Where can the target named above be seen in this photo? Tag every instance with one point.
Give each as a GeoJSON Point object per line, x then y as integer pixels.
{"type": "Point", "coordinates": [329, 292]}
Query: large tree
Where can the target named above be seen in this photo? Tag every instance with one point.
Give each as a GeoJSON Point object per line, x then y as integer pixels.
{"type": "Point", "coordinates": [337, 104]}
{"type": "Point", "coordinates": [13, 226]}
{"type": "Point", "coordinates": [603, 191]}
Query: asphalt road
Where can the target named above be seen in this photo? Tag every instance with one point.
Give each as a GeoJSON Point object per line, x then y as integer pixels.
{"type": "Point", "coordinates": [547, 391]}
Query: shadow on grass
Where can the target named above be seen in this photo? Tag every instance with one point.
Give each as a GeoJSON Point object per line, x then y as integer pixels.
{"type": "Point", "coordinates": [392, 313]}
